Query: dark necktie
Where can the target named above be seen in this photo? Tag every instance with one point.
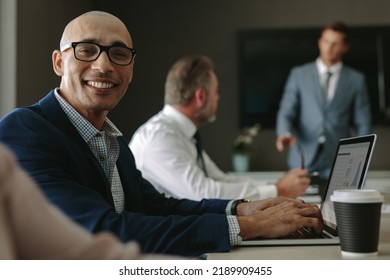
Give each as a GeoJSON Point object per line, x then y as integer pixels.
{"type": "Point", "coordinates": [199, 149]}
{"type": "Point", "coordinates": [326, 85]}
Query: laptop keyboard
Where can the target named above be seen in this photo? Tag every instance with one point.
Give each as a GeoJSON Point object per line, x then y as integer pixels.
{"type": "Point", "coordinates": [307, 233]}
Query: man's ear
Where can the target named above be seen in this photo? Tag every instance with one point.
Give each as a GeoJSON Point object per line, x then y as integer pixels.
{"type": "Point", "coordinates": [200, 97]}
{"type": "Point", "coordinates": [57, 63]}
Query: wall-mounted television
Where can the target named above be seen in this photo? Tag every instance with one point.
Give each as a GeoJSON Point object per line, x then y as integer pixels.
{"type": "Point", "coordinates": [266, 57]}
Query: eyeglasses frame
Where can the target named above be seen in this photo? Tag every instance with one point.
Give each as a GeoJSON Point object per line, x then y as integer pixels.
{"type": "Point", "coordinates": [101, 49]}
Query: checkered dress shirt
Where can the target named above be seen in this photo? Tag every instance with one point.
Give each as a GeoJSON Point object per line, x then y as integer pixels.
{"type": "Point", "coordinates": [104, 146]}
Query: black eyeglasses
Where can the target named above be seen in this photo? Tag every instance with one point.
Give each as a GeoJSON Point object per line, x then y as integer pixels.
{"type": "Point", "coordinates": [85, 51]}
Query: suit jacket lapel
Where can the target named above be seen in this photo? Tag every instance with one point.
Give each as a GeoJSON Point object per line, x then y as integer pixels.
{"type": "Point", "coordinates": [53, 112]}
{"type": "Point", "coordinates": [314, 80]}
{"type": "Point", "coordinates": [340, 88]}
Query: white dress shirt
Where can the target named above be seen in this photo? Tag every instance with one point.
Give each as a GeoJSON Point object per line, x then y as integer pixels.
{"type": "Point", "coordinates": [165, 153]}
{"type": "Point", "coordinates": [323, 70]}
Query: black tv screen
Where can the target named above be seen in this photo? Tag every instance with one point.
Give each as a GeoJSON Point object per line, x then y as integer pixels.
{"type": "Point", "coordinates": [267, 56]}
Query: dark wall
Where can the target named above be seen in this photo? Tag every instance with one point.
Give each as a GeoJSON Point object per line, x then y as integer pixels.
{"type": "Point", "coordinates": [40, 24]}
{"type": "Point", "coordinates": [165, 30]}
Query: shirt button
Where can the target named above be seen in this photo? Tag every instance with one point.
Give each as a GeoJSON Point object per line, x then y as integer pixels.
{"type": "Point", "coordinates": [102, 158]}
{"type": "Point", "coordinates": [322, 139]}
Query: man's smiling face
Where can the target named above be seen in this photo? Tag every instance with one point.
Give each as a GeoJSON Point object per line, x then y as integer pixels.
{"type": "Point", "coordinates": [93, 88]}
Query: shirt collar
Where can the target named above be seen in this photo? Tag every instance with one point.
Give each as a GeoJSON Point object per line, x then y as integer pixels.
{"type": "Point", "coordinates": [184, 123]}
{"type": "Point", "coordinates": [83, 126]}
{"type": "Point", "coordinates": [322, 68]}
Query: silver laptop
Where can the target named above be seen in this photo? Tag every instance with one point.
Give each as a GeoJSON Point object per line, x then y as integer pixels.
{"type": "Point", "coordinates": [349, 169]}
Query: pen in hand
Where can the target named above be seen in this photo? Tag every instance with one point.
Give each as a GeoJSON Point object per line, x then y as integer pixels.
{"type": "Point", "coordinates": [302, 154]}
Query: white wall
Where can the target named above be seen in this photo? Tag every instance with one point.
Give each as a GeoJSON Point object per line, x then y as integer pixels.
{"type": "Point", "coordinates": [7, 55]}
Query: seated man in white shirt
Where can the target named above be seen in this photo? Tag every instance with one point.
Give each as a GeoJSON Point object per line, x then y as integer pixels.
{"type": "Point", "coordinates": [165, 150]}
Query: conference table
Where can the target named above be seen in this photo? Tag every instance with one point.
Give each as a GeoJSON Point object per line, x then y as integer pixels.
{"type": "Point", "coordinates": [379, 180]}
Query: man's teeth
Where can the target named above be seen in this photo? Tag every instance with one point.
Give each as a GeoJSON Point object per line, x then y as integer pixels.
{"type": "Point", "coordinates": [100, 84]}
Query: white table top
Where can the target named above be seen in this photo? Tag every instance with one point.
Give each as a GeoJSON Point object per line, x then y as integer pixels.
{"type": "Point", "coordinates": [379, 180]}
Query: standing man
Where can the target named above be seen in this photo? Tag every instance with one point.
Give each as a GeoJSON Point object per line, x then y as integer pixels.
{"type": "Point", "coordinates": [165, 146]}
{"type": "Point", "coordinates": [84, 166]}
{"type": "Point", "coordinates": [321, 101]}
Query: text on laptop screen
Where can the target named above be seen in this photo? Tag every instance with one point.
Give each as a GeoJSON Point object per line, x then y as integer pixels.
{"type": "Point", "coordinates": [350, 162]}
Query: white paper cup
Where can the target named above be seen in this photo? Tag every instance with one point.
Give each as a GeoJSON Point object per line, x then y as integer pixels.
{"type": "Point", "coordinates": [358, 215]}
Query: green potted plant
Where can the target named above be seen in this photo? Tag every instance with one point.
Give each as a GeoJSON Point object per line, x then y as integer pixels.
{"type": "Point", "coordinates": [241, 148]}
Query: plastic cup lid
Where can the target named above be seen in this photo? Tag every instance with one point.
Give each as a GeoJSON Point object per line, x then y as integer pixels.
{"type": "Point", "coordinates": [356, 196]}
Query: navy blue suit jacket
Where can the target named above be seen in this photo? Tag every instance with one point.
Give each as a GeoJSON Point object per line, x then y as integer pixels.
{"type": "Point", "coordinates": [51, 150]}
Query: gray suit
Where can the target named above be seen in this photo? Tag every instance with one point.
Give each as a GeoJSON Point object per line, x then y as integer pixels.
{"type": "Point", "coordinates": [304, 113]}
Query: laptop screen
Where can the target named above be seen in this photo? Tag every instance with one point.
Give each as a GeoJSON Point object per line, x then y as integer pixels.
{"type": "Point", "coordinates": [348, 171]}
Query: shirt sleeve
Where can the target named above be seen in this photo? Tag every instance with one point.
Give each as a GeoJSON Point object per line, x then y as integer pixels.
{"type": "Point", "coordinates": [168, 160]}
{"type": "Point", "coordinates": [234, 230]}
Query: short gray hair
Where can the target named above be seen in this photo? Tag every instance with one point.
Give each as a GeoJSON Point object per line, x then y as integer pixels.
{"type": "Point", "coordinates": [185, 76]}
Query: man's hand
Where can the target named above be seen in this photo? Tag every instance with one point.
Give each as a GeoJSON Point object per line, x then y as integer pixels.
{"type": "Point", "coordinates": [285, 140]}
{"type": "Point", "coordinates": [277, 217]}
{"type": "Point", "coordinates": [293, 183]}
{"type": "Point", "coordinates": [258, 206]}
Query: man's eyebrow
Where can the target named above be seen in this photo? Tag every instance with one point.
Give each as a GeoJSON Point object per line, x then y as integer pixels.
{"type": "Point", "coordinates": [116, 43]}
{"type": "Point", "coordinates": [89, 40]}
{"type": "Point", "coordinates": [120, 44]}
